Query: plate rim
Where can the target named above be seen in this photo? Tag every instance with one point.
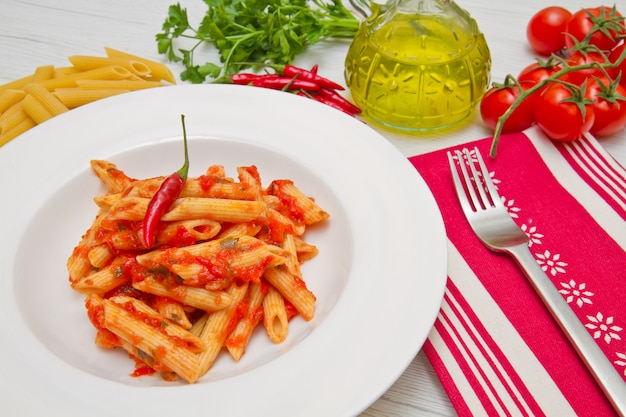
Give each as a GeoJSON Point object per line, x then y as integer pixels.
{"type": "Point", "coordinates": [172, 95]}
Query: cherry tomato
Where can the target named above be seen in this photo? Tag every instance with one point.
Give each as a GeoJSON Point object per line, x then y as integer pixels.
{"type": "Point", "coordinates": [582, 58]}
{"type": "Point", "coordinates": [582, 22]}
{"type": "Point", "coordinates": [497, 100]}
{"type": "Point", "coordinates": [614, 56]}
{"type": "Point", "coordinates": [609, 107]}
{"type": "Point", "coordinates": [562, 120]}
{"type": "Point", "coordinates": [534, 74]}
{"type": "Point", "coordinates": [545, 29]}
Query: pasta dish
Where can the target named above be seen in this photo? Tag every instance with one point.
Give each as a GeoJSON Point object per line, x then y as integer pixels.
{"type": "Point", "coordinates": [227, 258]}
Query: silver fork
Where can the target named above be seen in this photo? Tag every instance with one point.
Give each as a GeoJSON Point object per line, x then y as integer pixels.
{"type": "Point", "coordinates": [492, 223]}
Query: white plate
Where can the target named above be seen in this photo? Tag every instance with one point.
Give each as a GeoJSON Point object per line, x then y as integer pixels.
{"type": "Point", "coordinates": [379, 277]}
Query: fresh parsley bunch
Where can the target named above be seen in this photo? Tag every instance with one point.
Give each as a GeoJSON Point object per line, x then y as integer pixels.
{"type": "Point", "coordinates": [249, 32]}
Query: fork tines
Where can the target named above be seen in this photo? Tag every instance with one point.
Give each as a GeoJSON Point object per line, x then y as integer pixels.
{"type": "Point", "coordinates": [477, 183]}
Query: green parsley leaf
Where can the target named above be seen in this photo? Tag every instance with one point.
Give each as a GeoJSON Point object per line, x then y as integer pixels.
{"type": "Point", "coordinates": [249, 33]}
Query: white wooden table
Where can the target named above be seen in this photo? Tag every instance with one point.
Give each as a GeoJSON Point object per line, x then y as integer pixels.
{"type": "Point", "coordinates": [41, 32]}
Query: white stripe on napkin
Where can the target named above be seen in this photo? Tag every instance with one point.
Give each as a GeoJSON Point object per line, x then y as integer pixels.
{"type": "Point", "coordinates": [539, 383]}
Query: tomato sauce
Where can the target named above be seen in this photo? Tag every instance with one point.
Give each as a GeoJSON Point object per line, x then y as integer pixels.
{"type": "Point", "coordinates": [294, 211]}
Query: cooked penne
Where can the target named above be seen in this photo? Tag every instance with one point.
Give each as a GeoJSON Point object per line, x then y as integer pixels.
{"type": "Point", "coordinates": [298, 205]}
{"type": "Point", "coordinates": [115, 180]}
{"type": "Point", "coordinates": [186, 208]}
{"type": "Point", "coordinates": [219, 325]}
{"type": "Point", "coordinates": [218, 261]}
{"type": "Point", "coordinates": [195, 297]}
{"type": "Point", "coordinates": [99, 256]}
{"type": "Point", "coordinates": [173, 311]}
{"type": "Point", "coordinates": [293, 289]}
{"type": "Point", "coordinates": [152, 341]}
{"type": "Point", "coordinates": [292, 263]}
{"type": "Point", "coordinates": [275, 316]}
{"type": "Point", "coordinates": [227, 256]}
{"type": "Point", "coordinates": [103, 280]}
{"type": "Point", "coordinates": [238, 339]}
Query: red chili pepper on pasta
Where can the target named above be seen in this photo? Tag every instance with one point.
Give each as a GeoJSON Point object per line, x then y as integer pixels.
{"type": "Point", "coordinates": [167, 193]}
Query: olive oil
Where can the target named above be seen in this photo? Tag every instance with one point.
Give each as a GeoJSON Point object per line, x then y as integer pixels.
{"type": "Point", "coordinates": [418, 71]}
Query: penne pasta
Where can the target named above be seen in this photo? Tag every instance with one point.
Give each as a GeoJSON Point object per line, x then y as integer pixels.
{"type": "Point", "coordinates": [186, 208]}
{"type": "Point", "coordinates": [158, 71]}
{"type": "Point", "coordinates": [8, 133]}
{"type": "Point", "coordinates": [150, 341]}
{"type": "Point", "coordinates": [42, 73]}
{"type": "Point", "coordinates": [114, 72]}
{"type": "Point", "coordinates": [227, 257]}
{"type": "Point", "coordinates": [86, 63]}
{"type": "Point", "coordinates": [219, 325]}
{"type": "Point", "coordinates": [275, 316]}
{"type": "Point", "coordinates": [47, 99]}
{"type": "Point", "coordinates": [35, 109]}
{"type": "Point", "coordinates": [195, 297]}
{"type": "Point", "coordinates": [238, 339]}
{"type": "Point", "coordinates": [59, 89]}
{"type": "Point", "coordinates": [127, 84]}
{"type": "Point", "coordinates": [76, 97]}
{"type": "Point", "coordinates": [9, 97]}
{"type": "Point", "coordinates": [293, 289]}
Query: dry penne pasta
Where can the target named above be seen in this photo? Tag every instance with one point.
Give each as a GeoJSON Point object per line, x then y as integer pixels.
{"type": "Point", "coordinates": [76, 97]}
{"type": "Point", "coordinates": [35, 109]}
{"type": "Point", "coordinates": [86, 62]}
{"type": "Point", "coordinates": [158, 70]}
{"type": "Point", "coordinates": [9, 98]}
{"type": "Point", "coordinates": [127, 84]}
{"type": "Point", "coordinates": [51, 90]}
{"type": "Point", "coordinates": [52, 104]}
{"type": "Point", "coordinates": [43, 72]}
{"type": "Point", "coordinates": [223, 262]}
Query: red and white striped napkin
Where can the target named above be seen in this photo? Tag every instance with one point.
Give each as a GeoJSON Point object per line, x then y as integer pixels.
{"type": "Point", "coordinates": [494, 345]}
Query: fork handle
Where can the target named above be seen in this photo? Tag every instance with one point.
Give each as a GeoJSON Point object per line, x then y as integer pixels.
{"type": "Point", "coordinates": [602, 369]}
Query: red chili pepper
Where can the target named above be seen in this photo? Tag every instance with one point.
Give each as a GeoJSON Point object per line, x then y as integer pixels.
{"type": "Point", "coordinates": [304, 74]}
{"type": "Point", "coordinates": [342, 101]}
{"type": "Point", "coordinates": [328, 102]}
{"type": "Point", "coordinates": [273, 81]}
{"type": "Point", "coordinates": [245, 78]}
{"type": "Point", "coordinates": [167, 193]}
{"type": "Point", "coordinates": [278, 82]}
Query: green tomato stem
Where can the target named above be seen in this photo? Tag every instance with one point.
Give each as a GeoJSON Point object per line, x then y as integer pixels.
{"type": "Point", "coordinates": [524, 94]}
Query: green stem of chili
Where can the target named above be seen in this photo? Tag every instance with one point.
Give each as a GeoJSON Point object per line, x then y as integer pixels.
{"type": "Point", "coordinates": [168, 192]}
